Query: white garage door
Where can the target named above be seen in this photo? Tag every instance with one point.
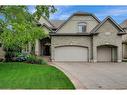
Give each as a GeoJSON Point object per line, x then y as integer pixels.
{"type": "Point", "coordinates": [104, 54]}
{"type": "Point", "coordinates": [71, 53]}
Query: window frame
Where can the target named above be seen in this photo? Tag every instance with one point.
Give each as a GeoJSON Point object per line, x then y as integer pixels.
{"type": "Point", "coordinates": [81, 24]}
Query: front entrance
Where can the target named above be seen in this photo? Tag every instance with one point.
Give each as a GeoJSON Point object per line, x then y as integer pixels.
{"type": "Point", "coordinates": [46, 50]}
{"type": "Point", "coordinates": [107, 53]}
{"type": "Point", "coordinates": [45, 46]}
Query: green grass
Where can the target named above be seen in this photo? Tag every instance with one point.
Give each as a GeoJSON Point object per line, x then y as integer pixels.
{"type": "Point", "coordinates": [31, 76]}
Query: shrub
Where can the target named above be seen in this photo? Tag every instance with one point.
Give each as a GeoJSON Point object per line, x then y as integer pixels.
{"type": "Point", "coordinates": [10, 54]}
{"type": "Point", "coordinates": [34, 60]}
{"type": "Point", "coordinates": [21, 57]}
{"type": "Point", "coordinates": [31, 59]}
{"type": "Point", "coordinates": [1, 59]}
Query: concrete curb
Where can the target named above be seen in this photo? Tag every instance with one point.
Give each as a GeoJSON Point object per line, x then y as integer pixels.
{"type": "Point", "coordinates": [74, 80]}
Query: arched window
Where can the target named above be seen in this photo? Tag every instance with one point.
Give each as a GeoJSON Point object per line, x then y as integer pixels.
{"type": "Point", "coordinates": [81, 27]}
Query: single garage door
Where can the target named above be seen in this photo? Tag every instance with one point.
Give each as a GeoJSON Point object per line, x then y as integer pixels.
{"type": "Point", "coordinates": [106, 53]}
{"type": "Point", "coordinates": [71, 53]}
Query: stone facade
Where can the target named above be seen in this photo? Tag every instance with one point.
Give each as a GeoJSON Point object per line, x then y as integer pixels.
{"type": "Point", "coordinates": [68, 35]}
{"type": "Point", "coordinates": [107, 36]}
{"type": "Point", "coordinates": [124, 51]}
{"type": "Point", "coordinates": [72, 24]}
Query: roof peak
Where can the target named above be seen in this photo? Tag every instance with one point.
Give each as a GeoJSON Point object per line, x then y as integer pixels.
{"type": "Point", "coordinates": [79, 13]}
{"type": "Point", "coordinates": [124, 24]}
{"type": "Point", "coordinates": [56, 20]}
{"type": "Point", "coordinates": [112, 20]}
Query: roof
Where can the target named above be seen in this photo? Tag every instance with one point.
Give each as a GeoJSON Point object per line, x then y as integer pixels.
{"type": "Point", "coordinates": [52, 26]}
{"type": "Point", "coordinates": [47, 27]}
{"type": "Point", "coordinates": [124, 24]}
{"type": "Point", "coordinates": [70, 34]}
{"type": "Point", "coordinates": [49, 21]}
{"type": "Point", "coordinates": [78, 14]}
{"type": "Point", "coordinates": [108, 18]}
{"type": "Point", "coordinates": [57, 23]}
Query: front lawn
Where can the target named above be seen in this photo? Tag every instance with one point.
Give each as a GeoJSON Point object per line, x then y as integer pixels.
{"type": "Point", "coordinates": [14, 75]}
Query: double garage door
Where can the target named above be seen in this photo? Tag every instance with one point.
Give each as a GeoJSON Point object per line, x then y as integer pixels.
{"type": "Point", "coordinates": [71, 53]}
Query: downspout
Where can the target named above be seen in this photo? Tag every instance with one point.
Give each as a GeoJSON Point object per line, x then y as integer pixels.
{"type": "Point", "coordinates": [91, 48]}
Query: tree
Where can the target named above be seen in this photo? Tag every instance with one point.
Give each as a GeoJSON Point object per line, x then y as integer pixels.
{"type": "Point", "coordinates": [18, 26]}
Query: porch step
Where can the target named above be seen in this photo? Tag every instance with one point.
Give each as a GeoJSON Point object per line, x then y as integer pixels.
{"type": "Point", "coordinates": [47, 58]}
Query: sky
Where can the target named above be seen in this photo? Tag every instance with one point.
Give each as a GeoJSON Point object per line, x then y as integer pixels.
{"type": "Point", "coordinates": [118, 13]}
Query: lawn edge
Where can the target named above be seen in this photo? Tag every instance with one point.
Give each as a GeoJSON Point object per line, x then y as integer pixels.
{"type": "Point", "coordinates": [77, 84]}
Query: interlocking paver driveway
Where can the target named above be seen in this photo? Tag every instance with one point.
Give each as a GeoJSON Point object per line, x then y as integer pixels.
{"type": "Point", "coordinates": [98, 75]}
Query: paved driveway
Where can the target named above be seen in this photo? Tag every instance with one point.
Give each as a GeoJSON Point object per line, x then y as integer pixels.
{"type": "Point", "coordinates": [98, 75]}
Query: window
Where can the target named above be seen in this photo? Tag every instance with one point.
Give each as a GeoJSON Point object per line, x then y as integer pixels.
{"type": "Point", "coordinates": [82, 27]}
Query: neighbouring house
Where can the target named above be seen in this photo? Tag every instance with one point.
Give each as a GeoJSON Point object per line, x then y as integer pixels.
{"type": "Point", "coordinates": [83, 37]}
{"type": "Point", "coordinates": [124, 38]}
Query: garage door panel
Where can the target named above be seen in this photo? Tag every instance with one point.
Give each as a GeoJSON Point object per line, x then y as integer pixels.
{"type": "Point", "coordinates": [71, 53]}
{"type": "Point", "coordinates": [104, 54]}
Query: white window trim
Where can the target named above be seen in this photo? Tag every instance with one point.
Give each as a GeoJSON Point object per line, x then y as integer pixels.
{"type": "Point", "coordinates": [81, 24]}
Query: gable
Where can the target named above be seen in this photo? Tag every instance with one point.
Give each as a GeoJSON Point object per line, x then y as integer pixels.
{"type": "Point", "coordinates": [108, 26]}
{"type": "Point", "coordinates": [124, 24]}
{"type": "Point", "coordinates": [45, 21]}
{"type": "Point", "coordinates": [46, 29]}
{"type": "Point", "coordinates": [107, 33]}
{"type": "Point", "coordinates": [71, 25]}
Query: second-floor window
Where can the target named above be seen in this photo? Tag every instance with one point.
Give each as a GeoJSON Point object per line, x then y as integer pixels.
{"type": "Point", "coordinates": [81, 27]}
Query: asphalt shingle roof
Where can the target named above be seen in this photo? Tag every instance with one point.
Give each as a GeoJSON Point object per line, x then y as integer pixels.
{"type": "Point", "coordinates": [124, 24]}
{"type": "Point", "coordinates": [57, 23]}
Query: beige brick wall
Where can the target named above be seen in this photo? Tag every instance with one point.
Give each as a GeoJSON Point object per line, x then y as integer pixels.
{"type": "Point", "coordinates": [124, 37]}
{"type": "Point", "coordinates": [125, 51]}
{"type": "Point", "coordinates": [72, 25]}
{"type": "Point", "coordinates": [107, 36]}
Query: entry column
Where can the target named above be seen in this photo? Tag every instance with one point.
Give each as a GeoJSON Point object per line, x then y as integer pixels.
{"type": "Point", "coordinates": [37, 47]}
{"type": "Point", "coordinates": [94, 54]}
{"type": "Point", "coordinates": [119, 50]}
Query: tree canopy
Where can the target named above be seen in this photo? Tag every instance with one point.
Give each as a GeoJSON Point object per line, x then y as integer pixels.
{"type": "Point", "coordinates": [18, 26]}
